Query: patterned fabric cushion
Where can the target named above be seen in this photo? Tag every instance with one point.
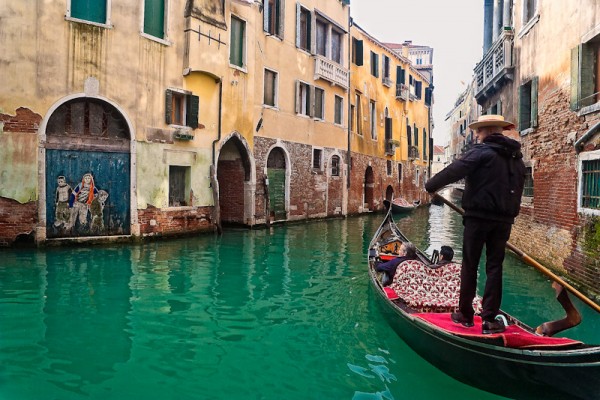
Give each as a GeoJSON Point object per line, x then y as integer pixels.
{"type": "Point", "coordinates": [430, 290]}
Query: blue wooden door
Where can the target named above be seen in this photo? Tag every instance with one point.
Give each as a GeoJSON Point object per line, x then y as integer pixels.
{"type": "Point", "coordinates": [87, 193]}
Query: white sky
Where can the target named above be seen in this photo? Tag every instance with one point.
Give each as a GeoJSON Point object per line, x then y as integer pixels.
{"type": "Point", "coordinates": [454, 28]}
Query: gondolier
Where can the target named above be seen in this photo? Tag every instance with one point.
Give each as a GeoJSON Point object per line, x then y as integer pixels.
{"type": "Point", "coordinates": [494, 175]}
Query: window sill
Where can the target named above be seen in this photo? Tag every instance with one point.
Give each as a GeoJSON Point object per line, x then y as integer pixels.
{"type": "Point", "coordinates": [589, 109]}
{"type": "Point", "coordinates": [107, 25]}
{"type": "Point", "coordinates": [179, 208]}
{"type": "Point", "coordinates": [155, 39]}
{"type": "Point", "coordinates": [527, 27]}
{"type": "Point", "coordinates": [274, 36]}
{"type": "Point", "coordinates": [269, 107]}
{"type": "Point", "coordinates": [241, 69]}
{"type": "Point", "coordinates": [527, 131]}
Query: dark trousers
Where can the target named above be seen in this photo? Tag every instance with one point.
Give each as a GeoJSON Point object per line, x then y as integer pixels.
{"type": "Point", "coordinates": [494, 235]}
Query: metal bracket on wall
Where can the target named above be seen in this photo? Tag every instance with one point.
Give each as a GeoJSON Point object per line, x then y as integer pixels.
{"type": "Point", "coordinates": [209, 36]}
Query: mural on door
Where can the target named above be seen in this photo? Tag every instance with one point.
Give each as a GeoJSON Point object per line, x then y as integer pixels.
{"type": "Point", "coordinates": [87, 203]}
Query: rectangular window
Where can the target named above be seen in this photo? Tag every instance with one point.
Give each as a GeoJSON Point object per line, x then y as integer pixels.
{"type": "Point", "coordinates": [319, 103]}
{"type": "Point", "coordinates": [400, 75]}
{"type": "Point", "coordinates": [338, 110]}
{"type": "Point", "coordinates": [399, 172]}
{"type": "Point", "coordinates": [590, 184]}
{"type": "Point", "coordinates": [528, 104]}
{"type": "Point", "coordinates": [424, 144]}
{"type": "Point", "coordinates": [303, 28]}
{"type": "Point", "coordinates": [373, 118]}
{"type": "Point", "coordinates": [270, 90]}
{"type": "Point", "coordinates": [237, 43]}
{"type": "Point", "coordinates": [528, 188]}
{"type": "Point", "coordinates": [317, 158]}
{"type": "Point", "coordinates": [335, 166]}
{"type": "Point", "coordinates": [352, 118]}
{"type": "Point", "coordinates": [90, 10]}
{"type": "Point", "coordinates": [359, 116]}
{"type": "Point", "coordinates": [585, 74]}
{"type": "Point", "coordinates": [389, 167]}
{"type": "Point", "coordinates": [418, 89]}
{"type": "Point", "coordinates": [322, 31]}
{"type": "Point", "coordinates": [375, 64]}
{"type": "Point", "coordinates": [336, 46]}
{"type": "Point", "coordinates": [273, 17]}
{"type": "Point", "coordinates": [386, 68]}
{"type": "Point", "coordinates": [179, 185]}
{"type": "Point", "coordinates": [154, 18]}
{"type": "Point", "coordinates": [529, 10]}
{"type": "Point", "coordinates": [303, 98]}
{"type": "Point", "coordinates": [181, 108]}
{"type": "Point", "coordinates": [357, 51]}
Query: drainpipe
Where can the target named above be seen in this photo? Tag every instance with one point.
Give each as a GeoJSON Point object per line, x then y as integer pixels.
{"type": "Point", "coordinates": [348, 155]}
{"type": "Point", "coordinates": [213, 173]}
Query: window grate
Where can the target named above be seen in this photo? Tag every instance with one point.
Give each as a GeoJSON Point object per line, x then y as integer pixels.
{"type": "Point", "coordinates": [590, 196]}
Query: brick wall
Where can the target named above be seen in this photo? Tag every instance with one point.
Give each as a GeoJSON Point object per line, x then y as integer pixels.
{"type": "Point", "coordinates": [405, 187]}
{"type": "Point", "coordinates": [550, 230]}
{"type": "Point", "coordinates": [16, 219]}
{"type": "Point", "coordinates": [24, 120]}
{"type": "Point", "coordinates": [231, 175]}
{"type": "Point", "coordinates": [156, 222]}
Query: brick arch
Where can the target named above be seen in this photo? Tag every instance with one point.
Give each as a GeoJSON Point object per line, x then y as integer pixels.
{"type": "Point", "coordinates": [369, 189]}
{"type": "Point", "coordinates": [234, 171]}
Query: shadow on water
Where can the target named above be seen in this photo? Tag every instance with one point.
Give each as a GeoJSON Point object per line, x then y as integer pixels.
{"type": "Point", "coordinates": [278, 313]}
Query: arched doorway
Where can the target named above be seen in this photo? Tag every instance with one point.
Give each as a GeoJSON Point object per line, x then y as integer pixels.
{"type": "Point", "coordinates": [87, 170]}
{"type": "Point", "coordinates": [276, 173]}
{"type": "Point", "coordinates": [233, 171]}
{"type": "Point", "coordinates": [369, 185]}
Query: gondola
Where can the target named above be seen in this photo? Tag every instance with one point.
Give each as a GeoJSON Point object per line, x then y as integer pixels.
{"type": "Point", "coordinates": [402, 206]}
{"type": "Point", "coordinates": [517, 363]}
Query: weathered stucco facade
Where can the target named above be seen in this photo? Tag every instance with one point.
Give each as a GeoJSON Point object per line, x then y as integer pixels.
{"type": "Point", "coordinates": [547, 83]}
{"type": "Point", "coordinates": [122, 120]}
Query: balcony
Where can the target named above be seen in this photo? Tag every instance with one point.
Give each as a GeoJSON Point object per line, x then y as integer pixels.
{"type": "Point", "coordinates": [387, 81]}
{"type": "Point", "coordinates": [495, 68]}
{"type": "Point", "coordinates": [401, 92]}
{"type": "Point", "coordinates": [331, 71]}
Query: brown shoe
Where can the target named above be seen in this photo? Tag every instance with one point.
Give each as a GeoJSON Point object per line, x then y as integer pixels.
{"type": "Point", "coordinates": [458, 318]}
{"type": "Point", "coordinates": [489, 327]}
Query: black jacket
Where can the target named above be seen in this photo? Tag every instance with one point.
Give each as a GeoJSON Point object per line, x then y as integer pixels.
{"type": "Point", "coordinates": [494, 175]}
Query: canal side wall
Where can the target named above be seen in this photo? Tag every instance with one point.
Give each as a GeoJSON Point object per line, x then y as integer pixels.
{"type": "Point", "coordinates": [549, 90]}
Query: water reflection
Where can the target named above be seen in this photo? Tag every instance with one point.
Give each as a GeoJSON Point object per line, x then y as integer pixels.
{"type": "Point", "coordinates": [266, 314]}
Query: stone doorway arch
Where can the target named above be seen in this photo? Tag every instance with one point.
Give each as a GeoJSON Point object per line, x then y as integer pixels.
{"type": "Point", "coordinates": [369, 187]}
{"type": "Point", "coordinates": [233, 174]}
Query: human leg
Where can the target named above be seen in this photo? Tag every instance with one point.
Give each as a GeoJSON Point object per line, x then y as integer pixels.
{"type": "Point", "coordinates": [495, 250]}
{"type": "Point", "coordinates": [473, 240]}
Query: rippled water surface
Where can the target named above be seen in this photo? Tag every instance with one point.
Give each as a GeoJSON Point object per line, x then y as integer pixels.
{"type": "Point", "coordinates": [284, 313]}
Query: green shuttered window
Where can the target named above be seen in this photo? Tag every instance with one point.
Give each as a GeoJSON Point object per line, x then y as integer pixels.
{"type": "Point", "coordinates": [590, 184]}
{"type": "Point", "coordinates": [89, 10]}
{"type": "Point", "coordinates": [154, 18]}
{"type": "Point", "coordinates": [237, 42]}
{"type": "Point", "coordinates": [181, 109]}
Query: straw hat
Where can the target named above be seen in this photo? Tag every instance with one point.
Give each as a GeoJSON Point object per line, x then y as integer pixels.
{"type": "Point", "coordinates": [490, 120]}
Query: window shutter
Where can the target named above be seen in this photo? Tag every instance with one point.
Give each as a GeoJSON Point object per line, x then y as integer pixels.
{"type": "Point", "coordinates": [266, 13]}
{"type": "Point", "coordinates": [416, 132]}
{"type": "Point", "coordinates": [499, 107]}
{"type": "Point", "coordinates": [154, 18]}
{"type": "Point", "coordinates": [359, 53]}
{"type": "Point", "coordinates": [575, 93]}
{"type": "Point", "coordinates": [313, 33]}
{"type": "Point", "coordinates": [399, 75]}
{"type": "Point", "coordinates": [586, 77]}
{"type": "Point", "coordinates": [298, 98]}
{"type": "Point", "coordinates": [408, 135]}
{"type": "Point", "coordinates": [192, 109]}
{"type": "Point", "coordinates": [524, 107]}
{"type": "Point", "coordinates": [298, 32]}
{"type": "Point", "coordinates": [281, 17]}
{"type": "Point", "coordinates": [534, 102]}
{"type": "Point", "coordinates": [377, 65]}
{"type": "Point", "coordinates": [168, 106]}
{"type": "Point", "coordinates": [311, 95]}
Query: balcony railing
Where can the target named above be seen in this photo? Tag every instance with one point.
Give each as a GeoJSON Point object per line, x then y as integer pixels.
{"type": "Point", "coordinates": [331, 71]}
{"type": "Point", "coordinates": [496, 64]}
{"type": "Point", "coordinates": [401, 92]}
{"type": "Point", "coordinates": [387, 81]}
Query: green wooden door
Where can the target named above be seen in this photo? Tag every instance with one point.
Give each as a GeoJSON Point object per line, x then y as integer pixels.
{"type": "Point", "coordinates": [277, 192]}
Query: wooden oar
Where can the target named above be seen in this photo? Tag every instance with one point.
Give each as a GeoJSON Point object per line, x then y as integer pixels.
{"type": "Point", "coordinates": [527, 259]}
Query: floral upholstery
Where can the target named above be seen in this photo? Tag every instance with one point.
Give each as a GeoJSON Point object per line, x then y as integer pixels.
{"type": "Point", "coordinates": [429, 290]}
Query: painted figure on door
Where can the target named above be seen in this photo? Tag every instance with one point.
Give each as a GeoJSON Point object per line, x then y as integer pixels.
{"type": "Point", "coordinates": [62, 214]}
{"type": "Point", "coordinates": [81, 199]}
{"type": "Point", "coordinates": [97, 211]}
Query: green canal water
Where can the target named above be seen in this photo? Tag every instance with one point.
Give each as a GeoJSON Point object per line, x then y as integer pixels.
{"type": "Point", "coordinates": [284, 313]}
